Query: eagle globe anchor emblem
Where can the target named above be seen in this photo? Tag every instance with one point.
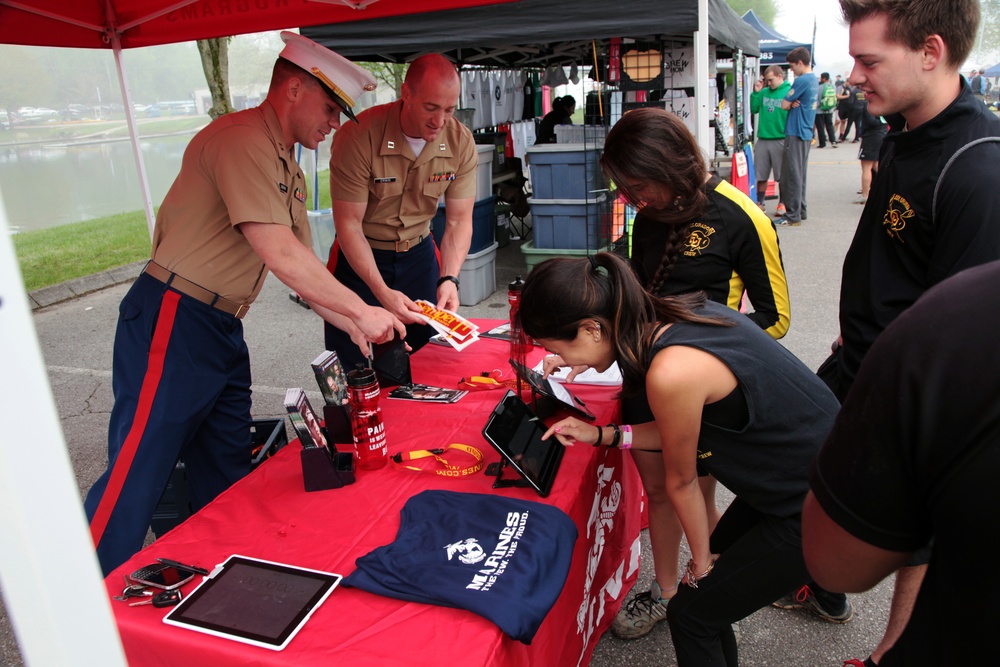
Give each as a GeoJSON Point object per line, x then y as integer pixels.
{"type": "Point", "coordinates": [468, 551]}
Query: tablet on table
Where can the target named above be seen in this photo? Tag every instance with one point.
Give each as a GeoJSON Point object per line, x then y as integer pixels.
{"type": "Point", "coordinates": [254, 601]}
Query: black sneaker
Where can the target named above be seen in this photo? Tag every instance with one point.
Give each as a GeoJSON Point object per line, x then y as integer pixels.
{"type": "Point", "coordinates": [833, 607]}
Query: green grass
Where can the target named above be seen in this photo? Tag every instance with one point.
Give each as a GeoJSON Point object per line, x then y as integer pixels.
{"type": "Point", "coordinates": [51, 256]}
{"type": "Point", "coordinates": [54, 255]}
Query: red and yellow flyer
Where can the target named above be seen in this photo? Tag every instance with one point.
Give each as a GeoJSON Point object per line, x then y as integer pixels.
{"type": "Point", "coordinates": [457, 330]}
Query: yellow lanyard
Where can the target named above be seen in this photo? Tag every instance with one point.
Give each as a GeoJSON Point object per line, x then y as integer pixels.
{"type": "Point", "coordinates": [447, 469]}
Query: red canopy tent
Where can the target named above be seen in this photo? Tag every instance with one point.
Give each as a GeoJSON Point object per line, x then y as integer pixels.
{"type": "Point", "coordinates": [96, 24]}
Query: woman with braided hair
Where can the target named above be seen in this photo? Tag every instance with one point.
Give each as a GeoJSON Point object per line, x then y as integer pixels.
{"type": "Point", "coordinates": [693, 232]}
{"type": "Point", "coordinates": [724, 396]}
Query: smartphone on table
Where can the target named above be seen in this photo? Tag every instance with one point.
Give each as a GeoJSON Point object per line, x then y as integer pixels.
{"type": "Point", "coordinates": [162, 576]}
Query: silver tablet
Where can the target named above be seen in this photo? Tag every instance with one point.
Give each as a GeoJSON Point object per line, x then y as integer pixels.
{"type": "Point", "coordinates": [254, 601]}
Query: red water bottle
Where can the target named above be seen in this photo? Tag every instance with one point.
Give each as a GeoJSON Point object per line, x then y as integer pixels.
{"type": "Point", "coordinates": [520, 343]}
{"type": "Point", "coordinates": [371, 450]}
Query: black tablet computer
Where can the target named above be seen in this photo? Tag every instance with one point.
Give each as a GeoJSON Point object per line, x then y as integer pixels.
{"type": "Point", "coordinates": [552, 390]}
{"type": "Point", "coordinates": [254, 601]}
{"type": "Point", "coordinates": [516, 433]}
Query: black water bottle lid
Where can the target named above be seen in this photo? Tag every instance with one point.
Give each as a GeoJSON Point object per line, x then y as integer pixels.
{"type": "Point", "coordinates": [361, 377]}
{"type": "Point", "coordinates": [516, 285]}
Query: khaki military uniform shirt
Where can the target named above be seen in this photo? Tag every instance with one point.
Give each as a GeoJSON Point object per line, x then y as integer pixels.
{"type": "Point", "coordinates": [371, 162]}
{"type": "Point", "coordinates": [236, 170]}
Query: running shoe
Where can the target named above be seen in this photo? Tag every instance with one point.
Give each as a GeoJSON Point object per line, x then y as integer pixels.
{"type": "Point", "coordinates": [640, 614]}
{"type": "Point", "coordinates": [834, 607]}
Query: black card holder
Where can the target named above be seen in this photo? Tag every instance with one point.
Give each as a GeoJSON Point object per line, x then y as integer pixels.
{"type": "Point", "coordinates": [337, 422]}
{"type": "Point", "coordinates": [321, 471]}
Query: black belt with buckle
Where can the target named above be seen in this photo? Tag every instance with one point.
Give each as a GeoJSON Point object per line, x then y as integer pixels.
{"type": "Point", "coordinates": [196, 291]}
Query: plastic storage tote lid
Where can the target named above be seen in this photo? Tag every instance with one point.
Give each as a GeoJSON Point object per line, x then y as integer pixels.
{"type": "Point", "coordinates": [568, 202]}
{"type": "Point", "coordinates": [561, 148]}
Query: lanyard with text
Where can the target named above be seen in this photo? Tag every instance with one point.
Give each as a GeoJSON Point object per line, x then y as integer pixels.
{"type": "Point", "coordinates": [486, 380]}
{"type": "Point", "coordinates": [448, 469]}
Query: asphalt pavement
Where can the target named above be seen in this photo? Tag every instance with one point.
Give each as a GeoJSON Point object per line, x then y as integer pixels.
{"type": "Point", "coordinates": [76, 327]}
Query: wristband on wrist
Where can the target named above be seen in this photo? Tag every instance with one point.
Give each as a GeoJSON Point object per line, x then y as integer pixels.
{"type": "Point", "coordinates": [600, 435]}
{"type": "Point", "coordinates": [626, 436]}
{"type": "Point", "coordinates": [617, 437]}
{"type": "Point", "coordinates": [442, 280]}
{"type": "Point", "coordinates": [693, 578]}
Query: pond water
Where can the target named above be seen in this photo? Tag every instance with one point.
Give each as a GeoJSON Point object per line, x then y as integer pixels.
{"type": "Point", "coordinates": [46, 185]}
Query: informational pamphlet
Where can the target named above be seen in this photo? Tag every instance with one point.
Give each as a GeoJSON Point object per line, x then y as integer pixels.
{"type": "Point", "coordinates": [304, 419]}
{"type": "Point", "coordinates": [423, 392]}
{"type": "Point", "coordinates": [458, 331]}
{"type": "Point", "coordinates": [330, 377]}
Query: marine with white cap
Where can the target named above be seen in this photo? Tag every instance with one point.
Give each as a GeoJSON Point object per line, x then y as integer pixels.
{"type": "Point", "coordinates": [328, 66]}
{"type": "Point", "coordinates": [181, 367]}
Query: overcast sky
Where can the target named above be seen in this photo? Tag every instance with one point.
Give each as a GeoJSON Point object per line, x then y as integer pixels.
{"type": "Point", "coordinates": [795, 21]}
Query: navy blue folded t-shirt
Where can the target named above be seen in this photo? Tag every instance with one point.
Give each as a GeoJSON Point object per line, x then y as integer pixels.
{"type": "Point", "coordinates": [502, 558]}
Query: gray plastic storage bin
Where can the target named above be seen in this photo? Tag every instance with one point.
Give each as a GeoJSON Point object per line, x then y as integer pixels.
{"type": "Point", "coordinates": [323, 232]}
{"type": "Point", "coordinates": [571, 224]}
{"type": "Point", "coordinates": [478, 276]}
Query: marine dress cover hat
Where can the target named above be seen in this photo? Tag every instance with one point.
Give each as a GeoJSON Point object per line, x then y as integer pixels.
{"type": "Point", "coordinates": [343, 80]}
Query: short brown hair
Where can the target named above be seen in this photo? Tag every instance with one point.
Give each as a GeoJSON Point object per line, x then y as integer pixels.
{"type": "Point", "coordinates": [911, 22]}
{"type": "Point", "coordinates": [776, 70]}
{"type": "Point", "coordinates": [799, 54]}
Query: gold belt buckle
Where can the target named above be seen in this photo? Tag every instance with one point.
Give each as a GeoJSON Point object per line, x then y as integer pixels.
{"type": "Point", "coordinates": [405, 249]}
{"type": "Point", "coordinates": [242, 311]}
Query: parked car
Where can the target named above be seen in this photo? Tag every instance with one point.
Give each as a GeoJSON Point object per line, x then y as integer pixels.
{"type": "Point", "coordinates": [37, 114]}
{"type": "Point", "coordinates": [177, 108]}
{"type": "Point", "coordinates": [77, 111]}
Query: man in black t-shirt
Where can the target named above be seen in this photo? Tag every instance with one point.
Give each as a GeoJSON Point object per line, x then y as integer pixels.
{"type": "Point", "coordinates": [912, 456]}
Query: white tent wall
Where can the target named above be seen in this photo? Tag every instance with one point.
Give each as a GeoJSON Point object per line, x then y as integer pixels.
{"type": "Point", "coordinates": [52, 582]}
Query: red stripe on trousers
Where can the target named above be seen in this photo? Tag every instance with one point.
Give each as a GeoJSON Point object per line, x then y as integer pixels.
{"type": "Point", "coordinates": [150, 383]}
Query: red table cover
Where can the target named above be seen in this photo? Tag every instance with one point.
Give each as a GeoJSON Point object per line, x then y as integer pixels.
{"type": "Point", "coordinates": [268, 515]}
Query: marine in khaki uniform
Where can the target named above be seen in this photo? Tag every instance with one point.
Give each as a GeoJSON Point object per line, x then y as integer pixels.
{"type": "Point", "coordinates": [181, 366]}
{"type": "Point", "coordinates": [387, 175]}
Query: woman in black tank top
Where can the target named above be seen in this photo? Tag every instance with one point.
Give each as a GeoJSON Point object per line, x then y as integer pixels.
{"type": "Point", "coordinates": [724, 397]}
